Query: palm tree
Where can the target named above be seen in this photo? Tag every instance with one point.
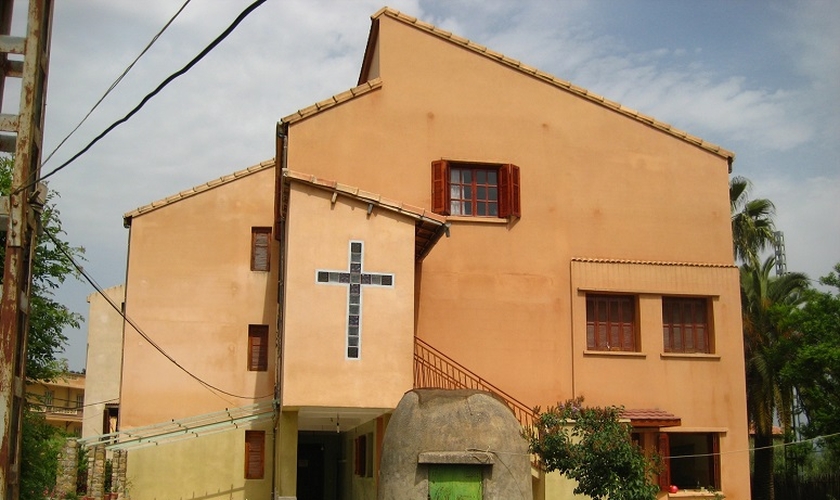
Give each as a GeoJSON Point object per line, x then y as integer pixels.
{"type": "Point", "coordinates": [752, 221]}
{"type": "Point", "coordinates": [766, 301]}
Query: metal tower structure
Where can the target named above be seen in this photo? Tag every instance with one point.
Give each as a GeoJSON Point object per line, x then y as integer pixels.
{"type": "Point", "coordinates": [25, 58]}
{"type": "Point", "coordinates": [779, 249]}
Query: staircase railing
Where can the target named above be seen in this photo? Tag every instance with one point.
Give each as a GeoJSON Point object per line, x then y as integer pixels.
{"type": "Point", "coordinates": [435, 370]}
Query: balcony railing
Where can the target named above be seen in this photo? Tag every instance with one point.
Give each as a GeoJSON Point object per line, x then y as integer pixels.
{"type": "Point", "coordinates": [435, 370]}
{"type": "Point", "coordinates": [59, 412]}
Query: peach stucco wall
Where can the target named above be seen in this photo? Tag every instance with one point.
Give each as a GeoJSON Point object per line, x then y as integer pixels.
{"type": "Point", "coordinates": [196, 301]}
{"type": "Point", "coordinates": [498, 296]}
{"type": "Point", "coordinates": [594, 184]}
{"type": "Point", "coordinates": [316, 369]}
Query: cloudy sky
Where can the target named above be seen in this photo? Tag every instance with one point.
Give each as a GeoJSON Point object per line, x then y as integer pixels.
{"type": "Point", "coordinates": [759, 78]}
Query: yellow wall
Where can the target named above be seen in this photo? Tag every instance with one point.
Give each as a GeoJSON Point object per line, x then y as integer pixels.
{"type": "Point", "coordinates": [317, 371]}
{"type": "Point", "coordinates": [209, 467]}
{"type": "Point", "coordinates": [196, 301]}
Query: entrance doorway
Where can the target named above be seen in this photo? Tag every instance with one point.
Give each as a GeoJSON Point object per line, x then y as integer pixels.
{"type": "Point", "coordinates": [317, 466]}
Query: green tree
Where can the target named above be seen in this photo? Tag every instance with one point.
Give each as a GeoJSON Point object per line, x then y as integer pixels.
{"type": "Point", "coordinates": [50, 268]}
{"type": "Point", "coordinates": [814, 367]}
{"type": "Point", "coordinates": [752, 221]}
{"type": "Point", "coordinates": [767, 303]}
{"type": "Point", "coordinates": [592, 446]}
{"type": "Point", "coordinates": [41, 445]}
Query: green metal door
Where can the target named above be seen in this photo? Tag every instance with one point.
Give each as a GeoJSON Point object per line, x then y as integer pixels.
{"type": "Point", "coordinates": [455, 482]}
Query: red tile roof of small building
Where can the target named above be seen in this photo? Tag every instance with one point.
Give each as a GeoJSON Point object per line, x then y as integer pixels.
{"type": "Point", "coordinates": [647, 417]}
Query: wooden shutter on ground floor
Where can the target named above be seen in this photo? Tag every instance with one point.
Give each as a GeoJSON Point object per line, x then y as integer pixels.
{"type": "Point", "coordinates": [440, 187]}
{"type": "Point", "coordinates": [665, 455]}
{"type": "Point", "coordinates": [361, 456]}
{"type": "Point", "coordinates": [254, 454]}
{"type": "Point", "coordinates": [714, 446]}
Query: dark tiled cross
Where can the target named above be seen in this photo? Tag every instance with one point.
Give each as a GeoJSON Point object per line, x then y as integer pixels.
{"type": "Point", "coordinates": [355, 279]}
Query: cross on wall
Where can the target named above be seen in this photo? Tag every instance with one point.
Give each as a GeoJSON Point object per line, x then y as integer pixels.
{"type": "Point", "coordinates": [355, 278]}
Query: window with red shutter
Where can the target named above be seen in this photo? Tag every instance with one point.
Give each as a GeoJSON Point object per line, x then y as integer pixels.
{"type": "Point", "coordinates": [611, 323]}
{"type": "Point", "coordinates": [260, 248]}
{"type": "Point", "coordinates": [475, 189]}
{"type": "Point", "coordinates": [254, 454]}
{"type": "Point", "coordinates": [257, 348]}
{"type": "Point", "coordinates": [685, 325]}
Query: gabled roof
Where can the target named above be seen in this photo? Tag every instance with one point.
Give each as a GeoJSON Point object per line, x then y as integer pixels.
{"type": "Point", "coordinates": [533, 72]}
{"type": "Point", "coordinates": [196, 190]}
{"type": "Point", "coordinates": [429, 227]}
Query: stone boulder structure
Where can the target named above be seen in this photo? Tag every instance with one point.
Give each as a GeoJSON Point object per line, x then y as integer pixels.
{"type": "Point", "coordinates": [443, 444]}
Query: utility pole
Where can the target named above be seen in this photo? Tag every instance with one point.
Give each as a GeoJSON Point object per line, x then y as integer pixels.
{"type": "Point", "coordinates": [25, 58]}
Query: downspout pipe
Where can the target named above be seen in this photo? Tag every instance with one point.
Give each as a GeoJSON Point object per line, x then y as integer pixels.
{"type": "Point", "coordinates": [280, 160]}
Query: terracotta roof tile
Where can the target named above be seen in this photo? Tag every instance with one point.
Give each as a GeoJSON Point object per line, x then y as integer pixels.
{"type": "Point", "coordinates": [335, 100]}
{"type": "Point", "coordinates": [651, 262]}
{"type": "Point", "coordinates": [513, 63]}
{"type": "Point", "coordinates": [651, 417]}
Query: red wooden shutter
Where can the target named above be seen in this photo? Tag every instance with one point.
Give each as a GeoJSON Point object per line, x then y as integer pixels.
{"type": "Point", "coordinates": [714, 439]}
{"type": "Point", "coordinates": [260, 248]}
{"type": "Point", "coordinates": [258, 347]}
{"type": "Point", "coordinates": [361, 455]}
{"type": "Point", "coordinates": [664, 454]}
{"type": "Point", "coordinates": [440, 187]}
{"type": "Point", "coordinates": [509, 198]}
{"type": "Point", "coordinates": [515, 203]}
{"type": "Point", "coordinates": [254, 454]}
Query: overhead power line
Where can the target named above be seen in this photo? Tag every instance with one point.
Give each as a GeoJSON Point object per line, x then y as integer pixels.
{"type": "Point", "coordinates": [116, 82]}
{"type": "Point", "coordinates": [151, 94]}
{"type": "Point", "coordinates": [139, 330]}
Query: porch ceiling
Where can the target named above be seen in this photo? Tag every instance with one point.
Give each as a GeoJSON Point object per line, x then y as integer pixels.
{"type": "Point", "coordinates": [332, 419]}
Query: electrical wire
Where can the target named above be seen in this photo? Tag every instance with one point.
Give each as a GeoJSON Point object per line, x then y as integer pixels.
{"type": "Point", "coordinates": [116, 82]}
{"type": "Point", "coordinates": [139, 330]}
{"type": "Point", "coordinates": [148, 96]}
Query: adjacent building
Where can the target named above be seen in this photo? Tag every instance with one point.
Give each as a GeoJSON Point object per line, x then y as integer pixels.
{"type": "Point", "coordinates": [455, 216]}
{"type": "Point", "coordinates": [61, 401]}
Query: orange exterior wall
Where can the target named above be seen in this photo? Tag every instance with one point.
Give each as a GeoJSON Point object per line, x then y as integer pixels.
{"type": "Point", "coordinates": [196, 302]}
{"type": "Point", "coordinates": [316, 369]}
{"type": "Point", "coordinates": [501, 298]}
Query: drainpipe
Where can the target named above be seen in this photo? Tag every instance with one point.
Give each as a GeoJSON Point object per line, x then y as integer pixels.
{"type": "Point", "coordinates": [280, 234]}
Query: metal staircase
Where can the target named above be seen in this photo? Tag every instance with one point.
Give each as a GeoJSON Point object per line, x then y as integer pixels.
{"type": "Point", "coordinates": [435, 370]}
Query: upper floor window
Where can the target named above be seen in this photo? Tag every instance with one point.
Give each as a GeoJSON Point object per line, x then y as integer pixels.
{"type": "Point", "coordinates": [257, 348]}
{"type": "Point", "coordinates": [611, 323]}
{"type": "Point", "coordinates": [260, 248]}
{"type": "Point", "coordinates": [475, 189]}
{"type": "Point", "coordinates": [685, 325]}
